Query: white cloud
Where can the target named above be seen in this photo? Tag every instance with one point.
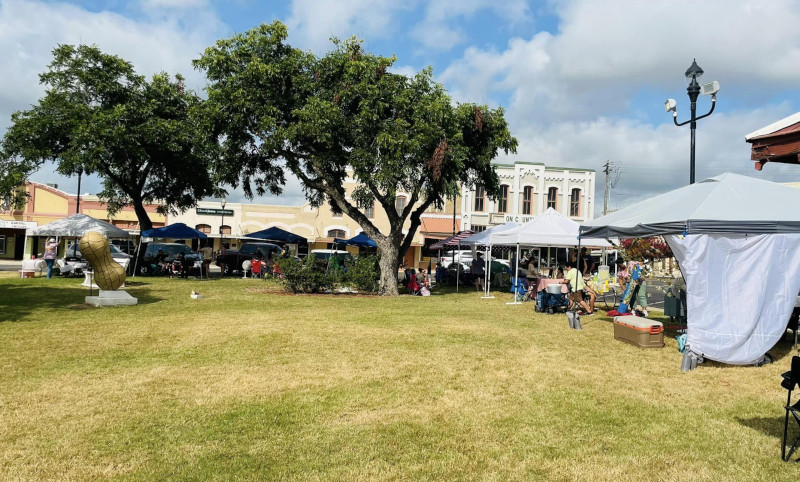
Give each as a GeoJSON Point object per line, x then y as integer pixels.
{"type": "Point", "coordinates": [174, 4]}
{"type": "Point", "coordinates": [312, 23]}
{"type": "Point", "coordinates": [438, 29]}
{"type": "Point", "coordinates": [569, 94]}
{"type": "Point", "coordinates": [30, 30]}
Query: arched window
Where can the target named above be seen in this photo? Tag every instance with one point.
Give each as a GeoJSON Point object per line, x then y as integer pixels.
{"type": "Point", "coordinates": [400, 204]}
{"type": "Point", "coordinates": [480, 197]}
{"type": "Point", "coordinates": [575, 202]}
{"type": "Point", "coordinates": [203, 228]}
{"type": "Point", "coordinates": [527, 200]}
{"type": "Point", "coordinates": [552, 198]}
{"type": "Point", "coordinates": [502, 202]}
{"type": "Point", "coordinates": [337, 233]}
{"type": "Point", "coordinates": [224, 229]}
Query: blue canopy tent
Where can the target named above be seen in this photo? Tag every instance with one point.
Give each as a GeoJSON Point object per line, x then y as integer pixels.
{"type": "Point", "coordinates": [361, 240]}
{"type": "Point", "coordinates": [277, 234]}
{"type": "Point", "coordinates": [173, 231]}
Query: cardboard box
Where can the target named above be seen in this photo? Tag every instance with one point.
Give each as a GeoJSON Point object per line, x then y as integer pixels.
{"type": "Point", "coordinates": [639, 331]}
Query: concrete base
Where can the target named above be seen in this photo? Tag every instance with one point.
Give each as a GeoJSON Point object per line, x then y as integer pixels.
{"type": "Point", "coordinates": [111, 298]}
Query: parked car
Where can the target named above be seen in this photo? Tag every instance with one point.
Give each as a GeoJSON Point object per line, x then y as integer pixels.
{"type": "Point", "coordinates": [75, 263]}
{"type": "Point", "coordinates": [331, 256]}
{"type": "Point", "coordinates": [158, 254]}
{"type": "Point", "coordinates": [233, 258]}
{"type": "Point", "coordinates": [125, 245]}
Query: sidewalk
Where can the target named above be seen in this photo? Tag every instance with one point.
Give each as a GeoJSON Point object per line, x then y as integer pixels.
{"type": "Point", "coordinates": [10, 265]}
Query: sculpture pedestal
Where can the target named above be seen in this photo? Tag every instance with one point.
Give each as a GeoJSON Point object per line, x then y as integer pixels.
{"type": "Point", "coordinates": [87, 281]}
{"type": "Point", "coordinates": [111, 298]}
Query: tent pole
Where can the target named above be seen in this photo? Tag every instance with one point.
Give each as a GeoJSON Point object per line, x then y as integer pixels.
{"type": "Point", "coordinates": [516, 279]}
{"type": "Point", "coordinates": [458, 266]}
{"type": "Point", "coordinates": [136, 260]}
{"type": "Point", "coordinates": [487, 273]}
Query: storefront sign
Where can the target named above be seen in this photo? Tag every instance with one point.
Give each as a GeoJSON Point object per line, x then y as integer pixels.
{"type": "Point", "coordinates": [518, 219]}
{"type": "Point", "coordinates": [215, 212]}
{"type": "Point", "coordinates": [6, 224]}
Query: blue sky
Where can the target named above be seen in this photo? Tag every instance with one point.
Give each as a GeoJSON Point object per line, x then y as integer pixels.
{"type": "Point", "coordinates": [583, 81]}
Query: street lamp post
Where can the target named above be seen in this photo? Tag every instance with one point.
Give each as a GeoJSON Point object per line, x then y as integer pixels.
{"type": "Point", "coordinates": [221, 229]}
{"type": "Point", "coordinates": [693, 74]}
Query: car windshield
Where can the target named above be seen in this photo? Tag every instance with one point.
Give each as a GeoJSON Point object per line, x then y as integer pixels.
{"type": "Point", "coordinates": [173, 249]}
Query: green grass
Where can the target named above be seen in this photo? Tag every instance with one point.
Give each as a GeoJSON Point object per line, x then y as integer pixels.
{"type": "Point", "coordinates": [250, 383]}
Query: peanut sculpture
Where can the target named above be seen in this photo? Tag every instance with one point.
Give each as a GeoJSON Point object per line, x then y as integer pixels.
{"type": "Point", "coordinates": [108, 274]}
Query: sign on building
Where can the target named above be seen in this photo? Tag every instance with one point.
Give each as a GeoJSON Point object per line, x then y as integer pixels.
{"type": "Point", "coordinates": [215, 212]}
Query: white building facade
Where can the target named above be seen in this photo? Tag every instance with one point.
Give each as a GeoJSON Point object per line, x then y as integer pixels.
{"type": "Point", "coordinates": [527, 190]}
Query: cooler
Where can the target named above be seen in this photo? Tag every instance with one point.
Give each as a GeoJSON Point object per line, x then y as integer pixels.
{"type": "Point", "coordinates": [639, 331]}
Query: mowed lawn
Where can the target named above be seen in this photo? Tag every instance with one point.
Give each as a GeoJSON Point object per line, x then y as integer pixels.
{"type": "Point", "coordinates": [250, 383]}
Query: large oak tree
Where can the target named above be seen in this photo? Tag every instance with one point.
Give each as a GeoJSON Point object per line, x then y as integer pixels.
{"type": "Point", "coordinates": [143, 137]}
{"type": "Point", "coordinates": [345, 115]}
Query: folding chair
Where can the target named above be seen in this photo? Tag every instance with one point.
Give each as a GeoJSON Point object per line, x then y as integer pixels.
{"type": "Point", "coordinates": [790, 380]}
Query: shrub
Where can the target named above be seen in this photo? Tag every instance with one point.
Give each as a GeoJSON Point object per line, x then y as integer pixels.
{"type": "Point", "coordinates": [363, 274]}
{"type": "Point", "coordinates": [315, 276]}
{"type": "Point", "coordinates": [308, 276]}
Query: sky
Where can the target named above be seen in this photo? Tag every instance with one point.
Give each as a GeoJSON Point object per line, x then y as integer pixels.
{"type": "Point", "coordinates": [582, 81]}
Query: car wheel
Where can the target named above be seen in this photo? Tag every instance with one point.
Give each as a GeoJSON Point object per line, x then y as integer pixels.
{"type": "Point", "coordinates": [228, 270]}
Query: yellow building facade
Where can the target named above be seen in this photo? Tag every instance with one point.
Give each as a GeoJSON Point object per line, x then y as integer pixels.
{"type": "Point", "coordinates": [48, 203]}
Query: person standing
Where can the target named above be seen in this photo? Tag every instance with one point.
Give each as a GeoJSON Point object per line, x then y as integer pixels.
{"type": "Point", "coordinates": [479, 271]}
{"type": "Point", "coordinates": [50, 254]}
{"type": "Point", "coordinates": [577, 287]}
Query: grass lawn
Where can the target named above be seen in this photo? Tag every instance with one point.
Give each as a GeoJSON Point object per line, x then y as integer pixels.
{"type": "Point", "coordinates": [252, 383]}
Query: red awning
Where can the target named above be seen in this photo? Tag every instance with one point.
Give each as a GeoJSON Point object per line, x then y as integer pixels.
{"type": "Point", "coordinates": [452, 240]}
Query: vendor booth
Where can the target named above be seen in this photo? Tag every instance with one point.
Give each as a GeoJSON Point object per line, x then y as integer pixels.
{"type": "Point", "coordinates": [550, 229]}
{"type": "Point", "coordinates": [737, 241]}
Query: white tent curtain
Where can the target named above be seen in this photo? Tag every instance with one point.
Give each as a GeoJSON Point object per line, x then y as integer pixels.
{"type": "Point", "coordinates": [740, 292]}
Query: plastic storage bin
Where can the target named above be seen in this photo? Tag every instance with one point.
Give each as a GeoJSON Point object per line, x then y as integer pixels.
{"type": "Point", "coordinates": [639, 331]}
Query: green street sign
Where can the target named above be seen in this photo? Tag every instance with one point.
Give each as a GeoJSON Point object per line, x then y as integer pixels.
{"type": "Point", "coordinates": [215, 212]}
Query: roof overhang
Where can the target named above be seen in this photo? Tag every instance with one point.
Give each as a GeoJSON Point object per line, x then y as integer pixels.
{"type": "Point", "coordinates": [778, 142]}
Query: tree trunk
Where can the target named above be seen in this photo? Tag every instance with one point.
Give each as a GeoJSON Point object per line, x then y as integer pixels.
{"type": "Point", "coordinates": [388, 265]}
{"type": "Point", "coordinates": [142, 216]}
{"type": "Point", "coordinates": [144, 224]}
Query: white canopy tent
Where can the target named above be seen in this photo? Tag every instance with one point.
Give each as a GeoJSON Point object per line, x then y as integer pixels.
{"type": "Point", "coordinates": [737, 240]}
{"type": "Point", "coordinates": [550, 229]}
{"type": "Point", "coordinates": [486, 239]}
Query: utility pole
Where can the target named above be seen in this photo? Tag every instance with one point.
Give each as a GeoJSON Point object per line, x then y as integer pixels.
{"type": "Point", "coordinates": [607, 170]}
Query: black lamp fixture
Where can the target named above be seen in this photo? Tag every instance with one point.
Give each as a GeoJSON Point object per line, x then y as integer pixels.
{"type": "Point", "coordinates": [693, 75]}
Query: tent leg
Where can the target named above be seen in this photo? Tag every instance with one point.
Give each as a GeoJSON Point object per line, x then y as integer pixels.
{"type": "Point", "coordinates": [516, 279]}
{"type": "Point", "coordinates": [458, 271]}
{"type": "Point", "coordinates": [487, 274]}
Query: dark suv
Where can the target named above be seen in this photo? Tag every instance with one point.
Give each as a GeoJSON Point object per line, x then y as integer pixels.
{"type": "Point", "coordinates": [165, 253]}
{"type": "Point", "coordinates": [233, 258]}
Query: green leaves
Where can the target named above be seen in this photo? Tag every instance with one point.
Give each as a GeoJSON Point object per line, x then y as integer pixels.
{"type": "Point", "coordinates": [146, 139]}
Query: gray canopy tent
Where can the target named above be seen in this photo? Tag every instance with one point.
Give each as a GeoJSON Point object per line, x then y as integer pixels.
{"type": "Point", "coordinates": [737, 240]}
{"type": "Point", "coordinates": [76, 226]}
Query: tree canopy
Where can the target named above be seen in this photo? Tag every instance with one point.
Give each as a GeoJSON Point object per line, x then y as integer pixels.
{"type": "Point", "coordinates": [144, 138]}
{"type": "Point", "coordinates": [344, 116]}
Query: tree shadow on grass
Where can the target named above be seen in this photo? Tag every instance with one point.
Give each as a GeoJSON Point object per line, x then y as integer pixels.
{"type": "Point", "coordinates": [21, 298]}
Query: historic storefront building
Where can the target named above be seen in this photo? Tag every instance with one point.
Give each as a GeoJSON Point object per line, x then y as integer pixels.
{"type": "Point", "coordinates": [529, 189]}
